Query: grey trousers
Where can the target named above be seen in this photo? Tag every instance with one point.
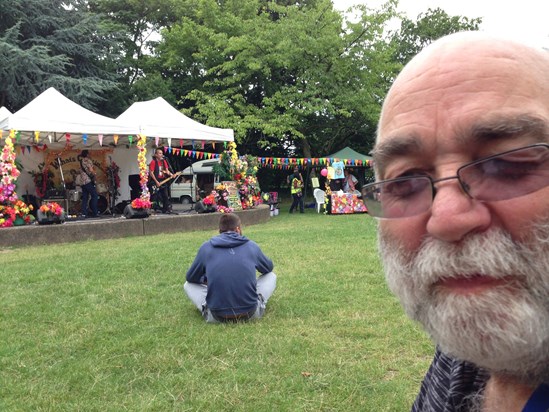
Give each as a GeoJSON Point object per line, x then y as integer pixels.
{"type": "Point", "coordinates": [196, 292]}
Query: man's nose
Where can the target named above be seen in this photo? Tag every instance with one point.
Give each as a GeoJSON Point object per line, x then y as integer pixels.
{"type": "Point", "coordinates": [454, 214]}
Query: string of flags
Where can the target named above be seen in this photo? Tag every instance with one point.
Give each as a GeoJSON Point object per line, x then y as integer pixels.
{"type": "Point", "coordinates": [115, 139]}
{"type": "Point", "coordinates": [269, 162]}
{"type": "Point", "coordinates": [289, 162]}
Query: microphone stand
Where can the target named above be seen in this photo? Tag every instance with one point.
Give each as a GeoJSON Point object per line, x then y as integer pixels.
{"type": "Point", "coordinates": [65, 197]}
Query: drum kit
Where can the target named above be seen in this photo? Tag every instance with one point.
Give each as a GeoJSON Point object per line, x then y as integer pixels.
{"type": "Point", "coordinates": [75, 201]}
{"type": "Point", "coordinates": [106, 195]}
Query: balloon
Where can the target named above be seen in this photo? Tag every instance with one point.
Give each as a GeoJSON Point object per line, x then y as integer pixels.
{"type": "Point", "coordinates": [324, 172]}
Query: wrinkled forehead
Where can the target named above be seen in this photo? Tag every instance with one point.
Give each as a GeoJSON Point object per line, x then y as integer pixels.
{"type": "Point", "coordinates": [464, 89]}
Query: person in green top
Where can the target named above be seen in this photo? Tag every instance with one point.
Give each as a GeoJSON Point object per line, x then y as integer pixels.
{"type": "Point", "coordinates": [296, 189]}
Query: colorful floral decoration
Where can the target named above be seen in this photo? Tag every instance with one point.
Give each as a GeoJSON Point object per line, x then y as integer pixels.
{"type": "Point", "coordinates": [143, 170]}
{"type": "Point", "coordinates": [13, 211]}
{"type": "Point", "coordinates": [224, 209]}
{"type": "Point", "coordinates": [217, 200]}
{"type": "Point", "coordinates": [211, 199]}
{"type": "Point", "coordinates": [51, 209]}
{"type": "Point", "coordinates": [15, 215]}
{"type": "Point", "coordinates": [140, 203]}
{"type": "Point", "coordinates": [8, 172]}
{"type": "Point", "coordinates": [242, 170]}
{"type": "Point", "coordinates": [42, 179]}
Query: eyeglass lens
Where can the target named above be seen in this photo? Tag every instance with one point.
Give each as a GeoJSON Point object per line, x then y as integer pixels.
{"type": "Point", "coordinates": [505, 176]}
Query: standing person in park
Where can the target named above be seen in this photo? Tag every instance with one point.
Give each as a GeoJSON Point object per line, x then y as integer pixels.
{"type": "Point", "coordinates": [295, 181]}
{"type": "Point", "coordinates": [349, 182]}
{"type": "Point", "coordinates": [86, 180]}
{"type": "Point", "coordinates": [222, 281]}
{"type": "Point", "coordinates": [160, 175]}
{"type": "Point", "coordinates": [462, 162]}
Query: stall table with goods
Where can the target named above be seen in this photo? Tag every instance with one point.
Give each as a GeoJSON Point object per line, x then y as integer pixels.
{"type": "Point", "coordinates": [345, 203]}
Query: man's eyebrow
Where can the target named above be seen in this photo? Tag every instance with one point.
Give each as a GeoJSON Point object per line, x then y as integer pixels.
{"type": "Point", "coordinates": [506, 127]}
{"type": "Point", "coordinates": [484, 131]}
{"type": "Point", "coordinates": [397, 146]}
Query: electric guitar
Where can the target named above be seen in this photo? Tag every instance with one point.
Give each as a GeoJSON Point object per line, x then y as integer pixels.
{"type": "Point", "coordinates": [154, 187]}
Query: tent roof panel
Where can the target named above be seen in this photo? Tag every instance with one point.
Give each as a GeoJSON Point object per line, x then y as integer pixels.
{"type": "Point", "coordinates": [157, 118]}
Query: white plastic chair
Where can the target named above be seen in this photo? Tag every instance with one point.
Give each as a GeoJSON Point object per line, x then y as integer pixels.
{"type": "Point", "coordinates": [320, 198]}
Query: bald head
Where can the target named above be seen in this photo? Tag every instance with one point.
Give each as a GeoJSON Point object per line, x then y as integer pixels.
{"type": "Point", "coordinates": [450, 79]}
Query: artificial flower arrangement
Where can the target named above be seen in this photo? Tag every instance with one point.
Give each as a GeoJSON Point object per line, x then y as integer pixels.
{"type": "Point", "coordinates": [211, 199]}
{"type": "Point", "coordinates": [144, 201]}
{"type": "Point", "coordinates": [8, 172]}
{"type": "Point", "coordinates": [16, 214]}
{"type": "Point", "coordinates": [43, 179]}
{"type": "Point", "coordinates": [12, 210]}
{"type": "Point", "coordinates": [243, 171]}
{"type": "Point", "coordinates": [217, 200]}
{"type": "Point", "coordinates": [51, 209]}
{"type": "Point", "coordinates": [141, 203]}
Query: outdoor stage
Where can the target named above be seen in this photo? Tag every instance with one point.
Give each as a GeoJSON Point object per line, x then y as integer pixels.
{"type": "Point", "coordinates": [116, 226]}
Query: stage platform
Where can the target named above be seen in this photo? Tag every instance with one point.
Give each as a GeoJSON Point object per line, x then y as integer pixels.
{"type": "Point", "coordinates": [116, 226]}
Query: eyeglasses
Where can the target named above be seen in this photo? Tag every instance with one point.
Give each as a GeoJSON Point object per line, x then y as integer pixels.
{"type": "Point", "coordinates": [503, 176]}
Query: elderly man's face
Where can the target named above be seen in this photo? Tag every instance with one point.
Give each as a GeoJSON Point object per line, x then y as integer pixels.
{"type": "Point", "coordinates": [476, 275]}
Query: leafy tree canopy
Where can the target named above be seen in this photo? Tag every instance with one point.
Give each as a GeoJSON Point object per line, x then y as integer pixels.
{"type": "Point", "coordinates": [282, 74]}
{"type": "Point", "coordinates": [429, 26]}
{"type": "Point", "coordinates": [45, 43]}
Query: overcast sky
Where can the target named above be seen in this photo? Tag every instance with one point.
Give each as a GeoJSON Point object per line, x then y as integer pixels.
{"type": "Point", "coordinates": [523, 20]}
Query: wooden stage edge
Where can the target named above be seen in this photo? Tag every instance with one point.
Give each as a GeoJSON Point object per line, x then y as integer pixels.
{"type": "Point", "coordinates": [110, 227]}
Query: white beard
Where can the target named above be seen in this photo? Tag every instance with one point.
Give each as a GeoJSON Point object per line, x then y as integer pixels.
{"type": "Point", "coordinates": [505, 329]}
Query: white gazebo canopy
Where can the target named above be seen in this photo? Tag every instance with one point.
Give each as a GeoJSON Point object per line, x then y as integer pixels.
{"type": "Point", "coordinates": [157, 118]}
{"type": "Point", "coordinates": [52, 116]}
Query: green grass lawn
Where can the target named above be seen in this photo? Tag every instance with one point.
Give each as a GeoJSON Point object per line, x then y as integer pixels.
{"type": "Point", "coordinates": [105, 326]}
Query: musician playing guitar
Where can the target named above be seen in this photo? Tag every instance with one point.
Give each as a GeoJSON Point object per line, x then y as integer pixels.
{"type": "Point", "coordinates": [160, 175]}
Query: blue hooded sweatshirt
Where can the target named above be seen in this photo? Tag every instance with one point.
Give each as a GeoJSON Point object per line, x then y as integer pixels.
{"type": "Point", "coordinates": [229, 262]}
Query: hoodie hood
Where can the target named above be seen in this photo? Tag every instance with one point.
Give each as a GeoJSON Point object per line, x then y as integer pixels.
{"type": "Point", "coordinates": [228, 239]}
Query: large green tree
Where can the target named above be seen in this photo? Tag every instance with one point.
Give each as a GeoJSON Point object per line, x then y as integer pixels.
{"type": "Point", "coordinates": [136, 26]}
{"type": "Point", "coordinates": [429, 26]}
{"type": "Point", "coordinates": [287, 76]}
{"type": "Point", "coordinates": [45, 43]}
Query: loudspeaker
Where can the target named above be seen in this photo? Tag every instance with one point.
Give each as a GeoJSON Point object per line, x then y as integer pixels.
{"type": "Point", "coordinates": [119, 208]}
{"type": "Point", "coordinates": [131, 213]}
{"type": "Point", "coordinates": [133, 182]}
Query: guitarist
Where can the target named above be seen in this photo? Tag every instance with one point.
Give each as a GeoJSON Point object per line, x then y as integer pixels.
{"type": "Point", "coordinates": [86, 180]}
{"type": "Point", "coordinates": [159, 172]}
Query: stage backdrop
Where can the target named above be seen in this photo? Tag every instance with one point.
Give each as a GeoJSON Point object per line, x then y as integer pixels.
{"type": "Point", "coordinates": [71, 167]}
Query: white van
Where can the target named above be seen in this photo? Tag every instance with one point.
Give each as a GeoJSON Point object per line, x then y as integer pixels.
{"type": "Point", "coordinates": [197, 178]}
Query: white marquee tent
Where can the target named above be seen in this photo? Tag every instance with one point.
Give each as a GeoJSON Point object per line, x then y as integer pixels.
{"type": "Point", "coordinates": [4, 113]}
{"type": "Point", "coordinates": [52, 120]}
{"type": "Point", "coordinates": [157, 118]}
{"type": "Point", "coordinates": [54, 116]}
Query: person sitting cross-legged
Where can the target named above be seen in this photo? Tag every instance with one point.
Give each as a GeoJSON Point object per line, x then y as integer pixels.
{"type": "Point", "coordinates": [222, 281]}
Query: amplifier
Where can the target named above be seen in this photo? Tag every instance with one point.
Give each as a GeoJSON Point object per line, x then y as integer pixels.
{"type": "Point", "coordinates": [55, 194]}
